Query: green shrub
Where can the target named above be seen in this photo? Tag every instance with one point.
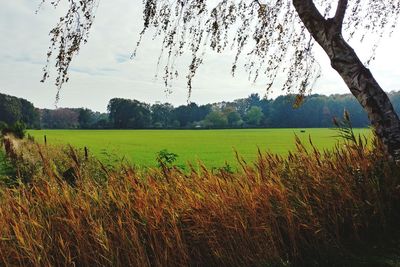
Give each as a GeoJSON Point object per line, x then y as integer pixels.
{"type": "Point", "coordinates": [166, 158]}
{"type": "Point", "coordinates": [3, 126]}
{"type": "Point", "coordinates": [18, 129]}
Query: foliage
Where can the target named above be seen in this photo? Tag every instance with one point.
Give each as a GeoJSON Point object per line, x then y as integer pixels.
{"type": "Point", "coordinates": [269, 34]}
{"type": "Point", "coordinates": [6, 171]}
{"type": "Point", "coordinates": [18, 129]}
{"type": "Point", "coordinates": [316, 111]}
{"type": "Point", "coordinates": [234, 118]}
{"type": "Point", "coordinates": [129, 114]}
{"type": "Point", "coordinates": [162, 115]}
{"type": "Point", "coordinates": [60, 118]}
{"type": "Point", "coordinates": [254, 116]}
{"type": "Point", "coordinates": [226, 168]}
{"type": "Point", "coordinates": [3, 126]}
{"type": "Point", "coordinates": [85, 118]}
{"type": "Point", "coordinates": [72, 118]}
{"type": "Point", "coordinates": [291, 210]}
{"type": "Point", "coordinates": [13, 109]}
{"type": "Point", "coordinates": [191, 113]}
{"type": "Point", "coordinates": [215, 119]}
{"type": "Point", "coordinates": [166, 158]}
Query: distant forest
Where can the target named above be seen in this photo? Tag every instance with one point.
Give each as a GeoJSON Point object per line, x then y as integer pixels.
{"type": "Point", "coordinates": [250, 112]}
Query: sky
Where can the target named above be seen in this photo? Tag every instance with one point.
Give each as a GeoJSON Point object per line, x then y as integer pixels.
{"type": "Point", "coordinates": [103, 69]}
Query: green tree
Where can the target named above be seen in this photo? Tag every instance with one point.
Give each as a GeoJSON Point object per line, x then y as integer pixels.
{"type": "Point", "coordinates": [13, 109]}
{"type": "Point", "coordinates": [254, 100]}
{"type": "Point", "coordinates": [29, 114]}
{"type": "Point", "coordinates": [254, 116]}
{"type": "Point", "coordinates": [10, 109]}
{"type": "Point", "coordinates": [215, 119]}
{"type": "Point", "coordinates": [85, 118]}
{"type": "Point", "coordinates": [129, 114]}
{"type": "Point", "coordinates": [162, 115]}
{"type": "Point", "coordinates": [187, 115]}
{"type": "Point", "coordinates": [61, 118]}
{"type": "Point", "coordinates": [233, 117]}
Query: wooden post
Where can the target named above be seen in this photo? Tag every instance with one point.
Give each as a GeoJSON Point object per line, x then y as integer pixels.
{"type": "Point", "coordinates": [86, 153]}
{"type": "Point", "coordinates": [45, 139]}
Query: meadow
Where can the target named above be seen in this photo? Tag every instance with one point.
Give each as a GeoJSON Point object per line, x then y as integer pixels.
{"type": "Point", "coordinates": [212, 147]}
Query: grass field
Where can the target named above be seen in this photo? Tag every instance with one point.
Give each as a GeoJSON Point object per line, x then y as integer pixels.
{"type": "Point", "coordinates": [212, 147]}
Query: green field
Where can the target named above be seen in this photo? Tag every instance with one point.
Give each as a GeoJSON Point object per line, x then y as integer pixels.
{"type": "Point", "coordinates": [213, 147]}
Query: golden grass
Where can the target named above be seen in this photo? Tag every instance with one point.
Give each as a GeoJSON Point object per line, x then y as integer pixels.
{"type": "Point", "coordinates": [71, 211]}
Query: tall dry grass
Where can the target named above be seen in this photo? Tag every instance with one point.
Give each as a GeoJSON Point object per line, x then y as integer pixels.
{"type": "Point", "coordinates": [69, 211]}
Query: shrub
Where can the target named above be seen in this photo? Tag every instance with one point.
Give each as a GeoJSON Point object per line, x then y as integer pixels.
{"type": "Point", "coordinates": [166, 158]}
{"type": "Point", "coordinates": [18, 129]}
{"type": "Point", "coordinates": [3, 128]}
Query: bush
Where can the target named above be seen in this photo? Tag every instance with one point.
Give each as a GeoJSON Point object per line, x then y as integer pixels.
{"type": "Point", "coordinates": [3, 126]}
{"type": "Point", "coordinates": [18, 129]}
{"type": "Point", "coordinates": [166, 158]}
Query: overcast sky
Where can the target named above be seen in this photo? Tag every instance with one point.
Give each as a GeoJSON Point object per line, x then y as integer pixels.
{"type": "Point", "coordinates": [103, 69]}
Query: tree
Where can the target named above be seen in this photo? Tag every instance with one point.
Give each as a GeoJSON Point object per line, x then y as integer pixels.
{"type": "Point", "coordinates": [265, 105]}
{"type": "Point", "coordinates": [129, 114]}
{"type": "Point", "coordinates": [85, 118]}
{"type": "Point", "coordinates": [215, 119]}
{"type": "Point", "coordinates": [233, 117]}
{"type": "Point", "coordinates": [10, 109]}
{"type": "Point", "coordinates": [187, 115]}
{"type": "Point", "coordinates": [13, 109]}
{"type": "Point", "coordinates": [254, 116]}
{"type": "Point", "coordinates": [278, 36]}
{"type": "Point", "coordinates": [254, 100]}
{"type": "Point", "coordinates": [161, 115]}
{"type": "Point", "coordinates": [30, 115]}
{"type": "Point", "coordinates": [61, 118]}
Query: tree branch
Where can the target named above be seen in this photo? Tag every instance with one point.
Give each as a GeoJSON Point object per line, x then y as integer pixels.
{"type": "Point", "coordinates": [340, 13]}
{"type": "Point", "coordinates": [310, 15]}
{"type": "Point", "coordinates": [308, 11]}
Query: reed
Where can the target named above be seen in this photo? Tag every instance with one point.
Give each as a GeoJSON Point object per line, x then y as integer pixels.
{"type": "Point", "coordinates": [68, 209]}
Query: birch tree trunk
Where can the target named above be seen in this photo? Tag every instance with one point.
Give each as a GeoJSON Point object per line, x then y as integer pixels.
{"type": "Point", "coordinates": [358, 78]}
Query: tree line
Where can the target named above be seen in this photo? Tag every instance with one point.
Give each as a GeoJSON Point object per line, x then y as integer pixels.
{"type": "Point", "coordinates": [14, 109]}
{"type": "Point", "coordinates": [250, 112]}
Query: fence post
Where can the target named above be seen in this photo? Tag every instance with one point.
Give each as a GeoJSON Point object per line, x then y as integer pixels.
{"type": "Point", "coordinates": [45, 139]}
{"type": "Point", "coordinates": [86, 153]}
